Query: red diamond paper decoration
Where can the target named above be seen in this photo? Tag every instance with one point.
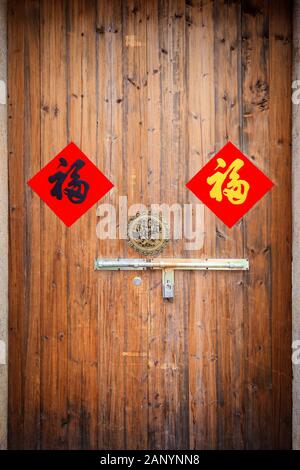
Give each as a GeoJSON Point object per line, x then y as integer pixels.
{"type": "Point", "coordinates": [70, 184]}
{"type": "Point", "coordinates": [229, 184]}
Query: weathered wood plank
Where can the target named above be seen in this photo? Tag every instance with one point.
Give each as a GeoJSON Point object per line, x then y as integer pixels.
{"type": "Point", "coordinates": [202, 309]}
{"type": "Point", "coordinates": [175, 358]}
{"type": "Point", "coordinates": [229, 242]}
{"type": "Point", "coordinates": [257, 326]}
{"type": "Point", "coordinates": [112, 288]}
{"type": "Point", "coordinates": [32, 160]}
{"type": "Point", "coordinates": [82, 281]}
{"type": "Point", "coordinates": [54, 293]}
{"type": "Point", "coordinates": [156, 321]}
{"type": "Point", "coordinates": [280, 219]}
{"type": "Point", "coordinates": [156, 414]}
{"type": "Point", "coordinates": [17, 233]}
{"type": "Point", "coordinates": [135, 155]}
{"type": "Point", "coordinates": [167, 321]}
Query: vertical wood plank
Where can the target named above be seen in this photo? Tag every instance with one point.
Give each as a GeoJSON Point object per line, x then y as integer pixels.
{"type": "Point", "coordinates": [157, 426]}
{"type": "Point", "coordinates": [17, 240]}
{"type": "Point", "coordinates": [82, 289]}
{"type": "Point", "coordinates": [229, 242]}
{"type": "Point", "coordinates": [167, 320]}
{"type": "Point", "coordinates": [258, 372]}
{"type": "Point", "coordinates": [135, 154]}
{"type": "Point", "coordinates": [174, 361]}
{"type": "Point", "coordinates": [54, 306]}
{"type": "Point", "coordinates": [280, 228]}
{"type": "Point", "coordinates": [165, 41]}
{"type": "Point", "coordinates": [32, 161]}
{"type": "Point", "coordinates": [202, 309]}
{"type": "Point", "coordinates": [112, 288]}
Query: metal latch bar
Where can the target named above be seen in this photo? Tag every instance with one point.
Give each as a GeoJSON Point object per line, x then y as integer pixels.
{"type": "Point", "coordinates": [168, 265]}
{"type": "Point", "coordinates": [174, 263]}
{"type": "Point", "coordinates": [168, 283]}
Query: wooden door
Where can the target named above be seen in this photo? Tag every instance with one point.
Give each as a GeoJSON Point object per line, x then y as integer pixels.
{"type": "Point", "coordinates": [149, 90]}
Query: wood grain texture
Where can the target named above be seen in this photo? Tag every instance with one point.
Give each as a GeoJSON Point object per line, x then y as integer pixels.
{"type": "Point", "coordinates": [32, 158]}
{"type": "Point", "coordinates": [229, 242]}
{"type": "Point", "coordinates": [54, 276]}
{"type": "Point", "coordinates": [280, 151]}
{"type": "Point", "coordinates": [17, 238]}
{"type": "Point", "coordinates": [257, 327]}
{"type": "Point", "coordinates": [149, 90]}
{"type": "Point", "coordinates": [82, 290]}
{"type": "Point", "coordinates": [135, 148]}
{"type": "Point", "coordinates": [110, 111]}
{"type": "Point", "coordinates": [202, 297]}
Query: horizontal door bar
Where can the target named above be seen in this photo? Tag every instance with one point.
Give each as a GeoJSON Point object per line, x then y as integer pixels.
{"type": "Point", "coordinates": [171, 263]}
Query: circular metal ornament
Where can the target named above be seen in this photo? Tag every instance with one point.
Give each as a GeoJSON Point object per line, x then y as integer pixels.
{"type": "Point", "coordinates": [148, 233]}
